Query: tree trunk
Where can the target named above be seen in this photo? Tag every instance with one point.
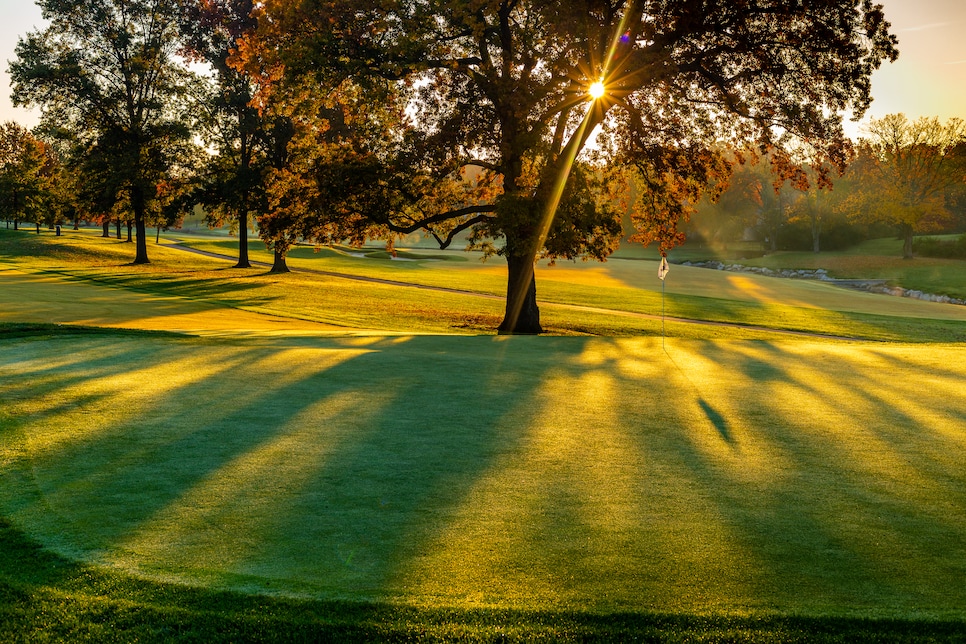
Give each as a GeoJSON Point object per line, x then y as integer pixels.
{"type": "Point", "coordinates": [106, 227]}
{"type": "Point", "coordinates": [907, 241]}
{"type": "Point", "coordinates": [141, 253]}
{"type": "Point", "coordinates": [137, 204]}
{"type": "Point", "coordinates": [522, 315]}
{"type": "Point", "coordinates": [117, 227]}
{"type": "Point", "coordinates": [279, 266]}
{"type": "Point", "coordinates": [243, 241]}
{"type": "Point", "coordinates": [130, 226]}
{"type": "Point", "coordinates": [244, 166]}
{"type": "Point", "coordinates": [816, 235]}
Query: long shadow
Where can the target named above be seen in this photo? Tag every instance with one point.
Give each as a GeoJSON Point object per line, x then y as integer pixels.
{"type": "Point", "coordinates": [864, 534]}
{"type": "Point", "coordinates": [48, 366]}
{"type": "Point", "coordinates": [360, 466]}
{"type": "Point", "coordinates": [163, 447]}
{"type": "Point", "coordinates": [715, 418]}
{"type": "Point", "coordinates": [391, 485]}
{"type": "Point", "coordinates": [136, 610]}
{"type": "Point", "coordinates": [400, 450]}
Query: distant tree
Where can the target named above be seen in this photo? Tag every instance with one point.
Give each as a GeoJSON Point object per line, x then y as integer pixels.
{"type": "Point", "coordinates": [908, 170]}
{"type": "Point", "coordinates": [328, 182]}
{"type": "Point", "coordinates": [107, 71]}
{"type": "Point", "coordinates": [823, 206]}
{"type": "Point", "coordinates": [29, 172]}
{"type": "Point", "coordinates": [764, 193]}
{"type": "Point", "coordinates": [233, 186]}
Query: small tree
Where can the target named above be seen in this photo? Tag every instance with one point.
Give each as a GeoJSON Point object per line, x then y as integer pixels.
{"type": "Point", "coordinates": [29, 170]}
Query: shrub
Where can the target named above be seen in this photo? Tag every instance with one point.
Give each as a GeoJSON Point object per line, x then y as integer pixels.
{"type": "Point", "coordinates": [945, 248]}
{"type": "Point", "coordinates": [797, 235]}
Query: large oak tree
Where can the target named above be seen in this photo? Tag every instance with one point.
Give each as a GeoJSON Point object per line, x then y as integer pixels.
{"type": "Point", "coordinates": [503, 86]}
{"type": "Point", "coordinates": [107, 73]}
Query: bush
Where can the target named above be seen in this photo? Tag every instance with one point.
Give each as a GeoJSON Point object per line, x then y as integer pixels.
{"type": "Point", "coordinates": [797, 235]}
{"type": "Point", "coordinates": [945, 248]}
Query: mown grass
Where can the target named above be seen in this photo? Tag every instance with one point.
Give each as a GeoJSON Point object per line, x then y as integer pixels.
{"type": "Point", "coordinates": [631, 306]}
{"type": "Point", "coordinates": [480, 489]}
{"type": "Point", "coordinates": [45, 598]}
{"type": "Point", "coordinates": [879, 259]}
{"type": "Point", "coordinates": [156, 487]}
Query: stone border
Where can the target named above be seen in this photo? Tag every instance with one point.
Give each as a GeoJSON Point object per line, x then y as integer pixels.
{"type": "Point", "coordinates": [870, 286]}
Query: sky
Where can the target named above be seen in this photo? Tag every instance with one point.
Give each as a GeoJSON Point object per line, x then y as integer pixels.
{"type": "Point", "coordinates": [929, 79]}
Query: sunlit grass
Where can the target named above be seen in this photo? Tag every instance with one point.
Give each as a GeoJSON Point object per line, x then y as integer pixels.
{"type": "Point", "coordinates": [727, 484]}
{"type": "Point", "coordinates": [536, 474]}
{"type": "Point", "coordinates": [620, 298]}
{"type": "Point", "coordinates": [879, 259]}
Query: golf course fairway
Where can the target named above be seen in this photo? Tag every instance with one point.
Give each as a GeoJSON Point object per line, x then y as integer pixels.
{"type": "Point", "coordinates": [178, 463]}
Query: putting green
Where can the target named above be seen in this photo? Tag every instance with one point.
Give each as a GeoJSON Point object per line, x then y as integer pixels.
{"type": "Point", "coordinates": [742, 477]}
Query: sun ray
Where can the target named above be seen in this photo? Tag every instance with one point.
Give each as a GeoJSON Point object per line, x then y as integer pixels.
{"type": "Point", "coordinates": [597, 96]}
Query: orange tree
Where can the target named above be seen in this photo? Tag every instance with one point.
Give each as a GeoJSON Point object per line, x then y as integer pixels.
{"type": "Point", "coordinates": [906, 170]}
{"type": "Point", "coordinates": [29, 171]}
{"type": "Point", "coordinates": [518, 88]}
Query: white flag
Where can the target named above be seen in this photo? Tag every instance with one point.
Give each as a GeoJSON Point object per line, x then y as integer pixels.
{"type": "Point", "coordinates": [662, 270]}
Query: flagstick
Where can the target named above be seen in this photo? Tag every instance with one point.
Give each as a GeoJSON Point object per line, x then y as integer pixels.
{"type": "Point", "coordinates": [662, 274]}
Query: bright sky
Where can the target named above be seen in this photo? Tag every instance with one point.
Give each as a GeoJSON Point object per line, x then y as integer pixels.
{"type": "Point", "coordinates": [929, 79]}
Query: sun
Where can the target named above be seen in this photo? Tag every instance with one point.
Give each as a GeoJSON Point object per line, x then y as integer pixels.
{"type": "Point", "coordinates": [596, 90]}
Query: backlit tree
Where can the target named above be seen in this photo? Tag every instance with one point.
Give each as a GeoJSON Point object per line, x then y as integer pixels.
{"type": "Point", "coordinates": [907, 169]}
{"type": "Point", "coordinates": [106, 71]}
{"type": "Point", "coordinates": [504, 86]}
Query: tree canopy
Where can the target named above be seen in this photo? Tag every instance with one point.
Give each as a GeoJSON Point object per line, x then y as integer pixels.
{"type": "Point", "coordinates": [908, 169]}
{"type": "Point", "coordinates": [502, 87]}
{"type": "Point", "coordinates": [28, 175]}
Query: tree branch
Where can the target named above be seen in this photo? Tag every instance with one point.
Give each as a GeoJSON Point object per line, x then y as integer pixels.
{"type": "Point", "coordinates": [441, 217]}
{"type": "Point", "coordinates": [444, 244]}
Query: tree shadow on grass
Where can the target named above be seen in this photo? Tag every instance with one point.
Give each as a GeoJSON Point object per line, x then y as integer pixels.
{"type": "Point", "coordinates": [858, 507]}
{"type": "Point", "coordinates": [720, 422]}
{"type": "Point", "coordinates": [371, 434]}
{"type": "Point", "coordinates": [468, 471]}
{"type": "Point", "coordinates": [48, 596]}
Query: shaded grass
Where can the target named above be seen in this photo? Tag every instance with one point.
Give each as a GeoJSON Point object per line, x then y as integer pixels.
{"type": "Point", "coordinates": [45, 598]}
{"type": "Point", "coordinates": [551, 472]}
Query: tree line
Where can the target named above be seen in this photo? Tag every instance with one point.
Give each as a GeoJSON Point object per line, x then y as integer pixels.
{"type": "Point", "coordinates": [904, 178]}
{"type": "Point", "coordinates": [341, 121]}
